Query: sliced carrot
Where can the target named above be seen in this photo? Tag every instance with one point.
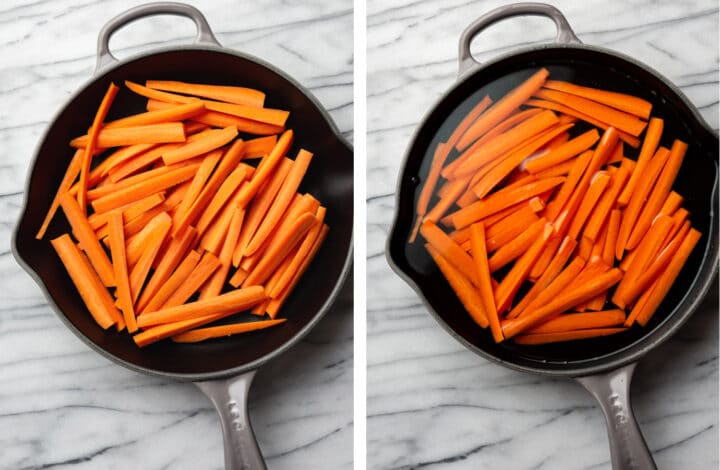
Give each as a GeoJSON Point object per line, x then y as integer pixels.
{"type": "Point", "coordinates": [545, 257]}
{"type": "Point", "coordinates": [671, 205]}
{"type": "Point", "coordinates": [131, 162]}
{"type": "Point", "coordinates": [449, 250]}
{"type": "Point", "coordinates": [517, 246]}
{"type": "Point", "coordinates": [211, 140]}
{"type": "Point", "coordinates": [149, 134]}
{"type": "Point", "coordinates": [233, 183]}
{"type": "Point", "coordinates": [228, 94]}
{"type": "Point", "coordinates": [128, 211]}
{"type": "Point", "coordinates": [199, 275]}
{"type": "Point", "coordinates": [201, 177]}
{"type": "Point", "coordinates": [501, 233]}
{"type": "Point", "coordinates": [175, 114]}
{"type": "Point", "coordinates": [477, 237]}
{"type": "Point", "coordinates": [568, 187]}
{"type": "Point", "coordinates": [458, 186]}
{"type": "Point", "coordinates": [135, 246]}
{"type": "Point", "coordinates": [266, 167]}
{"type": "Point", "coordinates": [602, 210]}
{"type": "Point", "coordinates": [73, 170]}
{"type": "Point", "coordinates": [581, 321]}
{"type": "Point", "coordinates": [612, 234]}
{"type": "Point", "coordinates": [545, 338]}
{"type": "Point", "coordinates": [260, 146]}
{"type": "Point", "coordinates": [618, 154]}
{"type": "Point", "coordinates": [556, 286]}
{"type": "Point", "coordinates": [564, 152]}
{"type": "Point", "coordinates": [137, 224]}
{"type": "Point", "coordinates": [238, 278]}
{"type": "Point", "coordinates": [624, 102]}
{"type": "Point", "coordinates": [215, 284]}
{"type": "Point", "coordinates": [119, 262]}
{"type": "Point", "coordinates": [172, 283]}
{"type": "Point", "coordinates": [560, 138]}
{"type": "Point", "coordinates": [648, 149]}
{"type": "Point", "coordinates": [202, 334]}
{"type": "Point", "coordinates": [597, 185]}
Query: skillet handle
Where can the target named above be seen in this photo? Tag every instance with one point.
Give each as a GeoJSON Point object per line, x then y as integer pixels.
{"type": "Point", "coordinates": [628, 450]}
{"type": "Point", "coordinates": [565, 34]}
{"type": "Point", "coordinates": [230, 397]}
{"type": "Point", "coordinates": [204, 33]}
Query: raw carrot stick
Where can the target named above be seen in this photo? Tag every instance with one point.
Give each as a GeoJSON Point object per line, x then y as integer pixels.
{"type": "Point", "coordinates": [127, 160]}
{"type": "Point", "coordinates": [96, 297]}
{"type": "Point", "coordinates": [281, 202]}
{"type": "Point", "coordinates": [86, 236]}
{"type": "Point", "coordinates": [561, 169]}
{"type": "Point", "coordinates": [172, 283]}
{"type": "Point", "coordinates": [517, 246]}
{"type": "Point", "coordinates": [215, 284]}
{"type": "Point", "coordinates": [136, 245]}
{"type": "Point", "coordinates": [210, 140]}
{"type": "Point", "coordinates": [149, 134]}
{"type": "Point", "coordinates": [99, 191]}
{"type": "Point", "coordinates": [603, 208]}
{"type": "Point", "coordinates": [575, 294]}
{"type": "Point", "coordinates": [477, 237]}
{"type": "Point", "coordinates": [612, 234]}
{"type": "Point", "coordinates": [545, 257]}
{"type": "Point", "coordinates": [597, 185]}
{"type": "Point", "coordinates": [214, 237]}
{"type": "Point", "coordinates": [128, 211]}
{"type": "Point", "coordinates": [238, 278]}
{"type": "Point", "coordinates": [175, 114]}
{"type": "Point", "coordinates": [461, 285]}
{"type": "Point", "coordinates": [458, 186]}
{"type": "Point", "coordinates": [502, 199]}
{"type": "Point", "coordinates": [545, 338]}
{"type": "Point", "coordinates": [624, 102]}
{"type": "Point", "coordinates": [559, 139]}
{"type": "Point", "coordinates": [671, 205]}
{"type": "Point", "coordinates": [145, 188]}
{"type": "Point", "coordinates": [564, 152]}
{"type": "Point", "coordinates": [177, 250]}
{"type": "Point", "coordinates": [228, 94]}
{"type": "Point", "coordinates": [618, 153]}
{"type": "Point", "coordinates": [233, 183]}
{"type": "Point", "coordinates": [554, 268]}
{"type": "Point", "coordinates": [449, 250]}
{"type": "Point", "coordinates": [505, 230]}
{"type": "Point", "coordinates": [503, 108]}
{"type": "Point", "coordinates": [631, 140]}
{"type": "Point", "coordinates": [659, 193]}
{"type": "Point", "coordinates": [556, 286]}
{"type": "Point", "coordinates": [581, 321]}
{"type": "Point", "coordinates": [266, 168]}
{"type": "Point", "coordinates": [644, 310]}
{"type": "Point", "coordinates": [199, 275]}
{"type": "Point", "coordinates": [518, 273]}
{"type": "Point", "coordinates": [617, 119]}
{"type": "Point", "coordinates": [201, 177]}
{"type": "Point", "coordinates": [260, 146]}
{"type": "Point", "coordinates": [202, 334]}
{"type": "Point", "coordinates": [649, 147]}
{"type": "Point", "coordinates": [119, 262]}
{"type": "Point", "coordinates": [568, 187]}
{"type": "Point", "coordinates": [71, 173]}
{"type": "Point", "coordinates": [638, 198]}
{"type": "Point", "coordinates": [679, 218]}
{"type": "Point", "coordinates": [137, 224]}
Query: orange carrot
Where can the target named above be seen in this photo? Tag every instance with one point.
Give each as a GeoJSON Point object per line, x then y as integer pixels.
{"type": "Point", "coordinates": [564, 152]}
{"type": "Point", "coordinates": [128, 211]}
{"type": "Point", "coordinates": [266, 167]}
{"type": "Point", "coordinates": [172, 283]}
{"type": "Point", "coordinates": [612, 234]}
{"type": "Point", "coordinates": [604, 205]}
{"type": "Point", "coordinates": [505, 230]}
{"type": "Point", "coordinates": [215, 284]}
{"type": "Point", "coordinates": [136, 245]}
{"type": "Point", "coordinates": [175, 114]}
{"type": "Point", "coordinates": [545, 257]}
{"type": "Point", "coordinates": [119, 262]}
{"type": "Point", "coordinates": [149, 134]}
{"type": "Point", "coordinates": [556, 286]}
{"type": "Point", "coordinates": [566, 190]}
{"type": "Point", "coordinates": [210, 140]}
{"type": "Point", "coordinates": [202, 334]}
{"type": "Point", "coordinates": [581, 321]}
{"type": "Point", "coordinates": [202, 271]}
{"type": "Point", "coordinates": [624, 102]}
{"type": "Point", "coordinates": [545, 338]}
{"type": "Point", "coordinates": [595, 189]}
{"type": "Point", "coordinates": [128, 162]}
{"type": "Point", "coordinates": [137, 224]}
{"type": "Point", "coordinates": [648, 149]}
{"type": "Point", "coordinates": [260, 146]}
{"type": "Point", "coordinates": [228, 94]}
{"type": "Point", "coordinates": [238, 278]}
{"type": "Point", "coordinates": [96, 297]}
{"type": "Point", "coordinates": [86, 236]}
{"type": "Point", "coordinates": [517, 246]}
{"type": "Point", "coordinates": [671, 205]}
{"type": "Point", "coordinates": [71, 173]}
{"type": "Point", "coordinates": [201, 177]}
{"type": "Point", "coordinates": [560, 139]}
{"type": "Point", "coordinates": [503, 108]}
{"type": "Point", "coordinates": [449, 250]}
{"type": "Point", "coordinates": [477, 237]}
{"type": "Point", "coordinates": [233, 183]}
{"type": "Point", "coordinates": [458, 186]}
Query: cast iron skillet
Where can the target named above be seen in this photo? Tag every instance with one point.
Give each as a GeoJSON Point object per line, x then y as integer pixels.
{"type": "Point", "coordinates": [222, 369]}
{"type": "Point", "coordinates": [605, 365]}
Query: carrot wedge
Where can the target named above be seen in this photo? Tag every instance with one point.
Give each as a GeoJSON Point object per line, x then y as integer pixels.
{"type": "Point", "coordinates": [73, 170]}
{"type": "Point", "coordinates": [228, 94]}
{"type": "Point", "coordinates": [119, 261]}
{"type": "Point", "coordinates": [211, 140]}
{"type": "Point", "coordinates": [477, 238]}
{"type": "Point", "coordinates": [624, 102]}
{"type": "Point", "coordinates": [202, 334]}
{"type": "Point", "coordinates": [545, 338]}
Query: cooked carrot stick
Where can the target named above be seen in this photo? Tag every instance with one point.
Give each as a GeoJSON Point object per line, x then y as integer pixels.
{"type": "Point", "coordinates": [517, 246]}
{"type": "Point", "coordinates": [199, 275]}
{"type": "Point", "coordinates": [96, 297]}
{"type": "Point", "coordinates": [149, 134]}
{"type": "Point", "coordinates": [281, 202]}
{"type": "Point", "coordinates": [638, 198]}
{"type": "Point", "coordinates": [266, 167]}
{"type": "Point", "coordinates": [624, 102]}
{"type": "Point", "coordinates": [502, 199]}
{"type": "Point", "coordinates": [604, 205]}
{"type": "Point", "coordinates": [545, 338]}
{"type": "Point", "coordinates": [575, 294]}
{"type": "Point", "coordinates": [499, 223]}
{"type": "Point", "coordinates": [461, 285]}
{"type": "Point", "coordinates": [612, 234]}
{"type": "Point", "coordinates": [618, 119]}
{"type": "Point", "coordinates": [553, 270]}
{"type": "Point", "coordinates": [202, 334]}
{"type": "Point", "coordinates": [564, 152]}
{"type": "Point", "coordinates": [119, 262]}
{"type": "Point", "coordinates": [597, 185]}
{"type": "Point", "coordinates": [477, 237]}
{"type": "Point", "coordinates": [457, 187]}
{"type": "Point", "coordinates": [659, 193]}
{"type": "Point", "coordinates": [211, 140]}
{"type": "Point", "coordinates": [571, 181]}
{"type": "Point", "coordinates": [71, 173]}
{"type": "Point", "coordinates": [215, 284]}
{"type": "Point", "coordinates": [175, 114]}
{"type": "Point", "coordinates": [671, 205]}
{"type": "Point", "coordinates": [172, 283]}
{"type": "Point", "coordinates": [632, 141]}
{"type": "Point", "coordinates": [227, 189]}
{"type": "Point", "coordinates": [581, 321]}
{"type": "Point", "coordinates": [238, 278]}
{"type": "Point", "coordinates": [503, 108]}
{"type": "Point", "coordinates": [228, 94]}
{"type": "Point", "coordinates": [449, 250]}
{"type": "Point", "coordinates": [86, 236]}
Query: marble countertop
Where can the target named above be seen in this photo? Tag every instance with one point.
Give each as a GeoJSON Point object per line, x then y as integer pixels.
{"type": "Point", "coordinates": [432, 403]}
{"type": "Point", "coordinates": [62, 405]}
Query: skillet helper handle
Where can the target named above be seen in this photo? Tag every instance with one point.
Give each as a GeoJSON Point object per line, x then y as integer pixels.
{"type": "Point", "coordinates": [230, 397]}
{"type": "Point", "coordinates": [204, 33]}
{"type": "Point", "coordinates": [565, 34]}
{"type": "Point", "coordinates": [628, 450]}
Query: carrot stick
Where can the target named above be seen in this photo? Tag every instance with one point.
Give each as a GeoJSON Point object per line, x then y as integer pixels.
{"type": "Point", "coordinates": [581, 321]}
{"type": "Point", "coordinates": [202, 334]}
{"type": "Point", "coordinates": [561, 169]}
{"type": "Point", "coordinates": [119, 262]}
{"type": "Point", "coordinates": [617, 119]}
{"type": "Point", "coordinates": [71, 173]}
{"type": "Point", "coordinates": [560, 139]}
{"type": "Point", "coordinates": [517, 246]}
{"type": "Point", "coordinates": [214, 237]}
{"type": "Point", "coordinates": [638, 198]}
{"type": "Point", "coordinates": [128, 211]}
{"type": "Point", "coordinates": [603, 208]}
{"type": "Point", "coordinates": [568, 187]}
{"type": "Point", "coordinates": [503, 108]}
{"type": "Point", "coordinates": [477, 237]}
{"type": "Point", "coordinates": [553, 270]}
{"type": "Point", "coordinates": [671, 205]}
{"type": "Point", "coordinates": [96, 297]}
{"type": "Point", "coordinates": [172, 283]}
{"type": "Point", "coordinates": [450, 250]}
{"type": "Point", "coordinates": [556, 286]}
{"type": "Point", "coordinates": [260, 146]}
{"type": "Point", "coordinates": [228, 94]}
{"type": "Point", "coordinates": [86, 236]}
{"type": "Point", "coordinates": [611, 240]}
{"type": "Point", "coordinates": [545, 257]}
{"type": "Point", "coordinates": [461, 285]}
{"type": "Point", "coordinates": [137, 224]}
{"type": "Point", "coordinates": [127, 160]}
{"type": "Point", "coordinates": [210, 140]}
{"type": "Point", "coordinates": [99, 191]}
{"type": "Point", "coordinates": [215, 284]}
{"type": "Point", "coordinates": [266, 168]}
{"type": "Point", "coordinates": [505, 230]}
{"type": "Point", "coordinates": [233, 183]}
{"type": "Point", "coordinates": [575, 294]}
{"type": "Point", "coordinates": [617, 155]}
{"type": "Point", "coordinates": [645, 308]}
{"type": "Point", "coordinates": [564, 152]}
{"type": "Point", "coordinates": [597, 185]}
{"type": "Point", "coordinates": [145, 188]}
{"type": "Point", "coordinates": [149, 134]}
{"type": "Point", "coordinates": [458, 186]}
{"type": "Point", "coordinates": [659, 193]}
{"type": "Point", "coordinates": [632, 141]}
{"type": "Point", "coordinates": [502, 199]}
{"type": "Point", "coordinates": [648, 149]}
{"type": "Point", "coordinates": [175, 114]}
{"type": "Point", "coordinates": [136, 245]}
{"type": "Point", "coordinates": [281, 202]}
{"type": "Point", "coordinates": [238, 278]}
{"type": "Point", "coordinates": [624, 102]}
{"type": "Point", "coordinates": [201, 177]}
{"type": "Point", "coordinates": [199, 275]}
{"type": "Point", "coordinates": [545, 338]}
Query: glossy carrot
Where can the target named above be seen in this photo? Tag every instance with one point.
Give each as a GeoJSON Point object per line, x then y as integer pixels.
{"type": "Point", "coordinates": [517, 246]}
{"type": "Point", "coordinates": [601, 211]}
{"type": "Point", "coordinates": [545, 338]}
{"type": "Point", "coordinates": [624, 102]}
{"type": "Point", "coordinates": [648, 149]}
{"type": "Point", "coordinates": [228, 94]}
{"type": "Point", "coordinates": [556, 286]}
{"type": "Point", "coordinates": [612, 234]}
{"type": "Point", "coordinates": [564, 152]}
{"type": "Point", "coordinates": [477, 238]}
{"type": "Point", "coordinates": [450, 251]}
{"type": "Point", "coordinates": [545, 257]}
{"type": "Point", "coordinates": [458, 186]}
{"type": "Point", "coordinates": [566, 190]}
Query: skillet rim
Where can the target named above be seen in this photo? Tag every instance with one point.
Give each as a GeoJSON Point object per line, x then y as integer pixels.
{"type": "Point", "coordinates": [628, 353]}
{"type": "Point", "coordinates": [96, 75]}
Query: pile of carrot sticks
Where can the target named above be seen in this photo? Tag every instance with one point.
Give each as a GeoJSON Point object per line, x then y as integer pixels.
{"type": "Point", "coordinates": [547, 234]}
{"type": "Point", "coordinates": [174, 226]}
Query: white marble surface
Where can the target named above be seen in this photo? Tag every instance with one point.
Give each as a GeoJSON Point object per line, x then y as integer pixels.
{"type": "Point", "coordinates": [63, 406]}
{"type": "Point", "coordinates": [433, 404]}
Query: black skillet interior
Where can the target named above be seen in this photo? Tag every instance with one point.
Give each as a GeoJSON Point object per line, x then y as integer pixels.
{"type": "Point", "coordinates": [695, 182]}
{"type": "Point", "coordinates": [329, 179]}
